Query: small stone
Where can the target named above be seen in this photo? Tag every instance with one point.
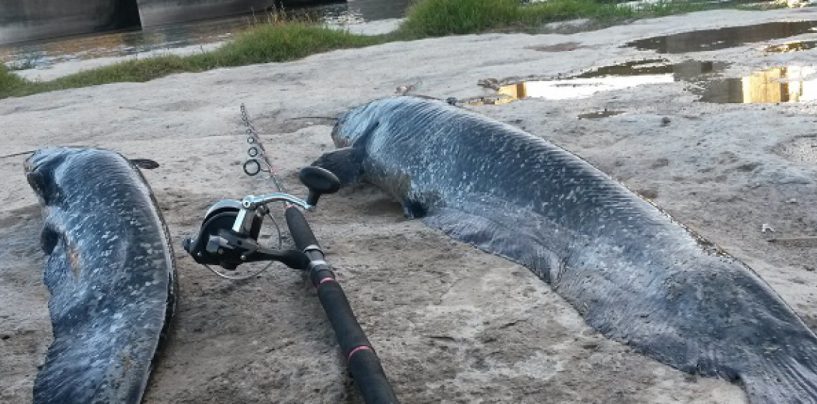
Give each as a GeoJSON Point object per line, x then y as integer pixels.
{"type": "Point", "coordinates": [662, 162]}
{"type": "Point", "coordinates": [648, 193]}
{"type": "Point", "coordinates": [590, 345]}
{"type": "Point", "coordinates": [404, 89]}
{"type": "Point", "coordinates": [665, 121]}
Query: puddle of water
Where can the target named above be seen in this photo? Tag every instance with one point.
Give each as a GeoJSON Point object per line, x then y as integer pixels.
{"type": "Point", "coordinates": [608, 78]}
{"type": "Point", "coordinates": [801, 149]}
{"type": "Point", "coordinates": [559, 47]}
{"type": "Point", "coordinates": [795, 46]}
{"type": "Point", "coordinates": [577, 88]}
{"type": "Point", "coordinates": [712, 39]}
{"type": "Point", "coordinates": [44, 53]}
{"type": "Point", "coordinates": [600, 114]}
{"type": "Point", "coordinates": [774, 85]}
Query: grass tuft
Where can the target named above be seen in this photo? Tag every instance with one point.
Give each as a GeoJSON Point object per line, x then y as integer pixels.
{"type": "Point", "coordinates": [456, 17]}
{"type": "Point", "coordinates": [283, 42]}
{"type": "Point", "coordinates": [9, 81]}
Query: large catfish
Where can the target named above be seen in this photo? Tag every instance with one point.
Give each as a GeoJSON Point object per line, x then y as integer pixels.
{"type": "Point", "coordinates": [635, 275]}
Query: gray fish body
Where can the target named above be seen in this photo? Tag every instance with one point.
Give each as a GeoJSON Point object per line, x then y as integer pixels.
{"type": "Point", "coordinates": [111, 275]}
{"type": "Point", "coordinates": [631, 271]}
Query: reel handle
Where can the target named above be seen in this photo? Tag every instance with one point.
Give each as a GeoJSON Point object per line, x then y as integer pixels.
{"type": "Point", "coordinates": [319, 181]}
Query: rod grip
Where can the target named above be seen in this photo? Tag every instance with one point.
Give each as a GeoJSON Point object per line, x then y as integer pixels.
{"type": "Point", "coordinates": [299, 229]}
{"type": "Point", "coordinates": [364, 365]}
{"type": "Point", "coordinates": [369, 376]}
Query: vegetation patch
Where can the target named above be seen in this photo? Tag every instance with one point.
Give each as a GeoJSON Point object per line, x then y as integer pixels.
{"type": "Point", "coordinates": [281, 40]}
{"type": "Point", "coordinates": [277, 42]}
{"type": "Point", "coordinates": [10, 82]}
{"type": "Point", "coordinates": [452, 17]}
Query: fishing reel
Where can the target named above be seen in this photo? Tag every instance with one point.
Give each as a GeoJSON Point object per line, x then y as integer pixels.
{"type": "Point", "coordinates": [228, 236]}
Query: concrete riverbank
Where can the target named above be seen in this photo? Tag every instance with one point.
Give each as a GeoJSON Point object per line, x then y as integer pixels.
{"type": "Point", "coordinates": [36, 19]}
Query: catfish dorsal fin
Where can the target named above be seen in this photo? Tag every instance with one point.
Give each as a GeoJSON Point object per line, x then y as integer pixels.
{"type": "Point", "coordinates": [145, 164]}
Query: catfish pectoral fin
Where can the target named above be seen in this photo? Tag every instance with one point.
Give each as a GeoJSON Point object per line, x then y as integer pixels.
{"type": "Point", "coordinates": [516, 244]}
{"type": "Point", "coordinates": [345, 163]}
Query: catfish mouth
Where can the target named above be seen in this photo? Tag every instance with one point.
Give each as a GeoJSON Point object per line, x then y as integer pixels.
{"type": "Point", "coordinates": [50, 157]}
{"type": "Point", "coordinates": [39, 169]}
{"type": "Point", "coordinates": [33, 162]}
{"type": "Point", "coordinates": [34, 176]}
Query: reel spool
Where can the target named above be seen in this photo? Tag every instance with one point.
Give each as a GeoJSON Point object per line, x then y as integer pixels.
{"type": "Point", "coordinates": [211, 247]}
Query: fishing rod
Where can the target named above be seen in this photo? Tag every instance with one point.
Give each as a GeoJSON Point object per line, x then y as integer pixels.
{"type": "Point", "coordinates": [228, 238]}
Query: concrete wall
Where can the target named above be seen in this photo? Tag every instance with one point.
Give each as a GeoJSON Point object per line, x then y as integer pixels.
{"type": "Point", "coordinates": [160, 12]}
{"type": "Point", "coordinates": [23, 20]}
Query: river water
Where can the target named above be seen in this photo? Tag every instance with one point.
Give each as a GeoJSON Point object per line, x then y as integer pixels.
{"type": "Point", "coordinates": [187, 38]}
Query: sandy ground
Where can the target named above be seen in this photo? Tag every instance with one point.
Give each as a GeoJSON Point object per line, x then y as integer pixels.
{"type": "Point", "coordinates": [451, 324]}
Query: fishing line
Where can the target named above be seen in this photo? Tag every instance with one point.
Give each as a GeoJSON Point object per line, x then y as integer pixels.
{"type": "Point", "coordinates": [257, 162]}
{"type": "Point", "coordinates": [329, 118]}
{"type": "Point", "coordinates": [5, 156]}
{"type": "Point", "coordinates": [258, 272]}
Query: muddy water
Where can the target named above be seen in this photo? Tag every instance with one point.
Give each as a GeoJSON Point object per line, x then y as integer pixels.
{"type": "Point", "coordinates": [123, 43]}
{"type": "Point", "coordinates": [609, 78]}
{"type": "Point", "coordinates": [713, 39]}
{"type": "Point", "coordinates": [778, 84]}
{"type": "Point", "coordinates": [773, 85]}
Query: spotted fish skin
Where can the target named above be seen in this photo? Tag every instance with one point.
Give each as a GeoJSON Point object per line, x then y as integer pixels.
{"type": "Point", "coordinates": [633, 273]}
{"type": "Point", "coordinates": [110, 271]}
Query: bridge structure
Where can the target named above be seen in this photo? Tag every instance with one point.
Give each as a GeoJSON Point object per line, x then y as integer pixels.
{"type": "Point", "coordinates": [27, 20]}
